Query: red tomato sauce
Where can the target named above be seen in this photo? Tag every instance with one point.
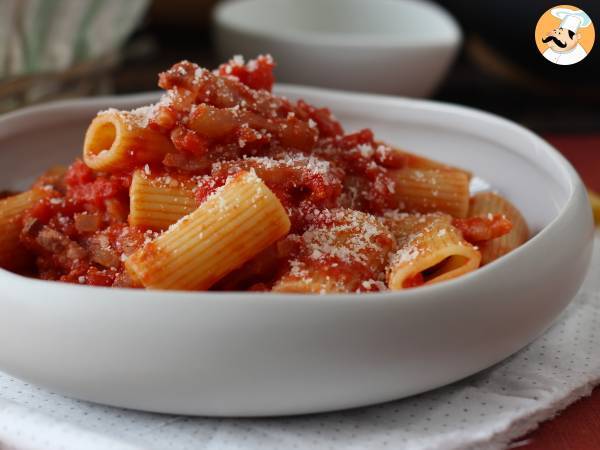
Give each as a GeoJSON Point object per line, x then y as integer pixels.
{"type": "Point", "coordinates": [414, 281]}
{"type": "Point", "coordinates": [478, 229]}
{"type": "Point", "coordinates": [220, 123]}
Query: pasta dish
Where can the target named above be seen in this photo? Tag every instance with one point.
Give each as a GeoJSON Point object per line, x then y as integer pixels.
{"type": "Point", "coordinates": [222, 185]}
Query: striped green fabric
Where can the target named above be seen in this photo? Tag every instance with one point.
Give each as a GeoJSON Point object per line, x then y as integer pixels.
{"type": "Point", "coordinates": [38, 36]}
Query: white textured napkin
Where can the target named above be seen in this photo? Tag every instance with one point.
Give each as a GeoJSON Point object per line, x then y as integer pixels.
{"type": "Point", "coordinates": [485, 411]}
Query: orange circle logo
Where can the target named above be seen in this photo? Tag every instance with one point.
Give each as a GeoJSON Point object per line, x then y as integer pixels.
{"type": "Point", "coordinates": [564, 35]}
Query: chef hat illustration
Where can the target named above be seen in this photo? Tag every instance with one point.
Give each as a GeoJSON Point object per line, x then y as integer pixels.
{"type": "Point", "coordinates": [571, 19]}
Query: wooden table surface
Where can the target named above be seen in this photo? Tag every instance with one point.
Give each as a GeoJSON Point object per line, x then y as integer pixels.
{"type": "Point", "coordinates": [578, 426]}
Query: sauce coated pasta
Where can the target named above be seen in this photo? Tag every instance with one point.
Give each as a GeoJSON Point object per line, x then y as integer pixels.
{"type": "Point", "coordinates": [222, 185]}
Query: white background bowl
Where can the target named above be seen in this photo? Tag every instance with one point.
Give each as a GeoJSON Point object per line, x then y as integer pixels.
{"type": "Point", "coordinates": [252, 354]}
{"type": "Point", "coordinates": [384, 46]}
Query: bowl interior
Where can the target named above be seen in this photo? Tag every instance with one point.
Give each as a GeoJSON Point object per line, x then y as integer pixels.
{"type": "Point", "coordinates": [351, 21]}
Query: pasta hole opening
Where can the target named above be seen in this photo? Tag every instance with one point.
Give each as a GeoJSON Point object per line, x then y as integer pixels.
{"type": "Point", "coordinates": [444, 266]}
{"type": "Point", "coordinates": [104, 138]}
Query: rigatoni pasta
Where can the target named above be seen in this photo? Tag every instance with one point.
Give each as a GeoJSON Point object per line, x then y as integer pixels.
{"type": "Point", "coordinates": [118, 140]}
{"type": "Point", "coordinates": [12, 253]}
{"type": "Point", "coordinates": [344, 251]}
{"type": "Point", "coordinates": [235, 224]}
{"type": "Point", "coordinates": [222, 185]}
{"type": "Point", "coordinates": [426, 191]}
{"type": "Point", "coordinates": [489, 203]}
{"type": "Point", "coordinates": [430, 250]}
{"type": "Point", "coordinates": [158, 202]}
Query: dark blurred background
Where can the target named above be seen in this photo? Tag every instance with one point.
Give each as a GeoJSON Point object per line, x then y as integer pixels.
{"type": "Point", "coordinates": [499, 68]}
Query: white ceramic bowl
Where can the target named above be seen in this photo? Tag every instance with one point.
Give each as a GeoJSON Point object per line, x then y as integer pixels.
{"type": "Point", "coordinates": [253, 354]}
{"type": "Point", "coordinates": [385, 46]}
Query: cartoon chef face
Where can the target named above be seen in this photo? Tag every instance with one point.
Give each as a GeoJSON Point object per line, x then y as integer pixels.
{"type": "Point", "coordinates": [561, 39]}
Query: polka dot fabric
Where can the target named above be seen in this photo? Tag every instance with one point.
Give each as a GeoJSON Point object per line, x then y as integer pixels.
{"type": "Point", "coordinates": [485, 411]}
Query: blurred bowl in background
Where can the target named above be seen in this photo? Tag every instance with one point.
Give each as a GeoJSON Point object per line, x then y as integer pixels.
{"type": "Point", "coordinates": [402, 47]}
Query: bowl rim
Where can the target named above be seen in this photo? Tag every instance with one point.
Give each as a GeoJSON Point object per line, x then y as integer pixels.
{"type": "Point", "coordinates": [570, 181]}
{"type": "Point", "coordinates": [221, 17]}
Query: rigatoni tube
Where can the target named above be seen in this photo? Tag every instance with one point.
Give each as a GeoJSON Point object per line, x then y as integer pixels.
{"type": "Point", "coordinates": [118, 140]}
{"type": "Point", "coordinates": [158, 202]}
{"type": "Point", "coordinates": [430, 250]}
{"type": "Point", "coordinates": [344, 251]}
{"type": "Point", "coordinates": [427, 191]}
{"type": "Point", "coordinates": [12, 254]}
{"type": "Point", "coordinates": [233, 225]}
{"type": "Point", "coordinates": [489, 203]}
